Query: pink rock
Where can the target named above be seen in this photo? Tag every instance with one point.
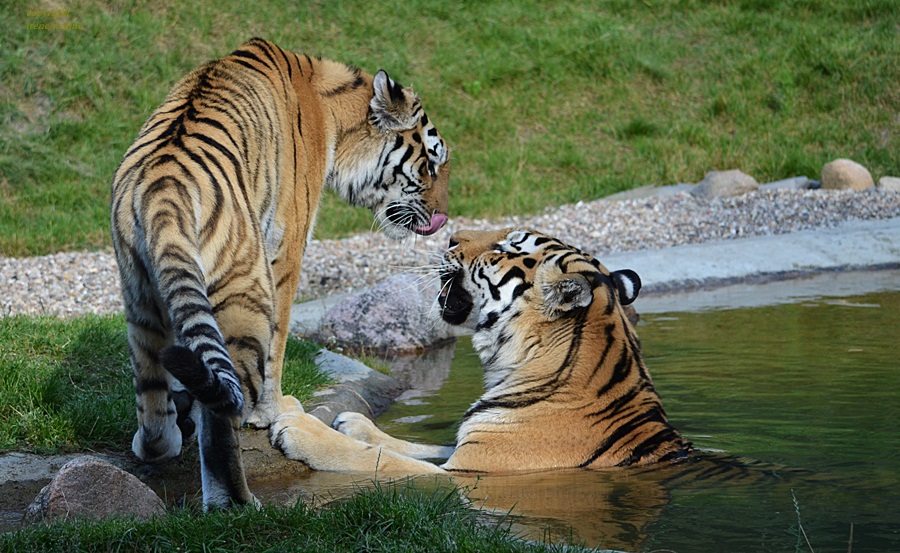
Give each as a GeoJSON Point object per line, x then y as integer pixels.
{"type": "Point", "coordinates": [88, 487]}
{"type": "Point", "coordinates": [395, 316]}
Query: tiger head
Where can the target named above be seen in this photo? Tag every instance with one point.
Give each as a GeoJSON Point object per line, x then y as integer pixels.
{"type": "Point", "coordinates": [495, 282]}
{"type": "Point", "coordinates": [395, 163]}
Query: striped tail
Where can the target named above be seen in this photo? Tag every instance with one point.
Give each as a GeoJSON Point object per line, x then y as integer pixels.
{"type": "Point", "coordinates": [198, 358]}
{"type": "Point", "coordinates": [218, 389]}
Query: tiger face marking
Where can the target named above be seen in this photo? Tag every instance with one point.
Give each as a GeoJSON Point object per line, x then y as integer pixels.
{"type": "Point", "coordinates": [406, 186]}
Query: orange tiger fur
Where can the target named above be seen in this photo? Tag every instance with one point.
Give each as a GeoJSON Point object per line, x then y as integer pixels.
{"type": "Point", "coordinates": [565, 382]}
{"type": "Point", "coordinates": [211, 210]}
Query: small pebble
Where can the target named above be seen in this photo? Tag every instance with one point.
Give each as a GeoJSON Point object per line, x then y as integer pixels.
{"type": "Point", "coordinates": [74, 283]}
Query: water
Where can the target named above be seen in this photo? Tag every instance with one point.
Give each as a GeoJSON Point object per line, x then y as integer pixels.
{"type": "Point", "coordinates": [810, 389]}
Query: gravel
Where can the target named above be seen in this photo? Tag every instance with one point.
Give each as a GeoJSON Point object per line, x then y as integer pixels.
{"type": "Point", "coordinates": [75, 283]}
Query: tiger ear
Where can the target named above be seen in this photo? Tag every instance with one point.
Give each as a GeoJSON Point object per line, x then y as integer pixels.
{"type": "Point", "coordinates": [628, 284]}
{"type": "Point", "coordinates": [566, 293]}
{"type": "Point", "coordinates": [392, 107]}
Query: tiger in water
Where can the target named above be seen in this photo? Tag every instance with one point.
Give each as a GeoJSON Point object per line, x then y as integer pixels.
{"type": "Point", "coordinates": [211, 209]}
{"type": "Point", "coordinates": [565, 381]}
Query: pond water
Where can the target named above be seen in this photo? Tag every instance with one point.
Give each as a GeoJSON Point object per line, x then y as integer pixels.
{"type": "Point", "coordinates": [810, 391]}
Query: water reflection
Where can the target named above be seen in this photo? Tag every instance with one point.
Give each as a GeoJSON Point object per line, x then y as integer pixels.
{"type": "Point", "coordinates": [811, 387]}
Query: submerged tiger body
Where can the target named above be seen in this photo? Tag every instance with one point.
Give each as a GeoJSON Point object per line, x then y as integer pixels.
{"type": "Point", "coordinates": [565, 382]}
{"type": "Point", "coordinates": [211, 209]}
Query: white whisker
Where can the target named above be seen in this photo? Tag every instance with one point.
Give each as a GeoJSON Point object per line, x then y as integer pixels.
{"type": "Point", "coordinates": [446, 286]}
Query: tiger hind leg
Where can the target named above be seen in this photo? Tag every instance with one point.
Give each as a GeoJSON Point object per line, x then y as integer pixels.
{"type": "Point", "coordinates": [159, 437]}
{"type": "Point", "coordinates": [220, 408]}
{"type": "Point", "coordinates": [222, 468]}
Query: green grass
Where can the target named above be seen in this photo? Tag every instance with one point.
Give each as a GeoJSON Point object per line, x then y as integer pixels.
{"type": "Point", "coordinates": [543, 103]}
{"type": "Point", "coordinates": [65, 385]}
{"type": "Point", "coordinates": [393, 518]}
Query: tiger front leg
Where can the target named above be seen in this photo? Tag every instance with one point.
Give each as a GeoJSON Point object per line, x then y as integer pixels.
{"type": "Point", "coordinates": [303, 437]}
{"type": "Point", "coordinates": [360, 427]}
{"type": "Point", "coordinates": [272, 402]}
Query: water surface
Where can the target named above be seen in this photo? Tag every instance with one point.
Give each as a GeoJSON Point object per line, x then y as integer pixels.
{"type": "Point", "coordinates": [810, 391]}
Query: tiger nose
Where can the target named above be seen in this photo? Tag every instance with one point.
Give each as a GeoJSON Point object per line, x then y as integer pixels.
{"type": "Point", "coordinates": [461, 236]}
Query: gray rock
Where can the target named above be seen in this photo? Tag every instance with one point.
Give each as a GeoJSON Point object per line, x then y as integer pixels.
{"type": "Point", "coordinates": [358, 389]}
{"type": "Point", "coordinates": [846, 174]}
{"type": "Point", "coordinates": [673, 189]}
{"type": "Point", "coordinates": [889, 184]}
{"type": "Point", "coordinates": [795, 183]}
{"type": "Point", "coordinates": [725, 183]}
{"type": "Point", "coordinates": [650, 191]}
{"type": "Point", "coordinates": [394, 316]}
{"type": "Point", "coordinates": [88, 487]}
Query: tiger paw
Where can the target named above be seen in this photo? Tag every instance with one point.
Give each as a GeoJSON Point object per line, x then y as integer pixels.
{"type": "Point", "coordinates": [288, 434]}
{"type": "Point", "coordinates": [291, 404]}
{"type": "Point", "coordinates": [165, 444]}
{"type": "Point", "coordinates": [358, 426]}
{"type": "Point", "coordinates": [303, 437]}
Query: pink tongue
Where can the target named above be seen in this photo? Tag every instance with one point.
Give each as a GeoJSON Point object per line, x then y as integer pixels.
{"type": "Point", "coordinates": [437, 221]}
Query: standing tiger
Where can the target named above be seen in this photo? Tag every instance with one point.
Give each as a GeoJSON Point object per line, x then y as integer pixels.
{"type": "Point", "coordinates": [565, 381]}
{"type": "Point", "coordinates": [211, 209]}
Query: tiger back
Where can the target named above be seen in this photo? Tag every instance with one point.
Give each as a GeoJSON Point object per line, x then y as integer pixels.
{"type": "Point", "coordinates": [211, 210]}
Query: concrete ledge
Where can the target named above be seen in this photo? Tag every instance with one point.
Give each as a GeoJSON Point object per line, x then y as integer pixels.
{"type": "Point", "coordinates": [855, 245]}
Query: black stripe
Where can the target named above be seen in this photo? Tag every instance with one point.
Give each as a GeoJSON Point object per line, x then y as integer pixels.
{"type": "Point", "coordinates": [627, 428]}
{"type": "Point", "coordinates": [652, 444]}
{"type": "Point", "coordinates": [266, 49]}
{"type": "Point", "coordinates": [142, 386]}
{"type": "Point", "coordinates": [346, 86]}
{"type": "Point", "coordinates": [612, 408]}
{"type": "Point", "coordinates": [247, 55]}
{"type": "Point", "coordinates": [245, 301]}
{"type": "Point", "coordinates": [235, 162]}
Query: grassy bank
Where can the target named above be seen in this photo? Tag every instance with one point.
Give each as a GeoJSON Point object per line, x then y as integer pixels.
{"type": "Point", "coordinates": [396, 518]}
{"type": "Point", "coordinates": [543, 103]}
{"type": "Point", "coordinates": [65, 385]}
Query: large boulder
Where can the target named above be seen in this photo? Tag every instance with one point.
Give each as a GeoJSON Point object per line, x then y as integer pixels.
{"type": "Point", "coordinates": [846, 174]}
{"type": "Point", "coordinates": [725, 183]}
{"type": "Point", "coordinates": [394, 316]}
{"type": "Point", "coordinates": [88, 487]}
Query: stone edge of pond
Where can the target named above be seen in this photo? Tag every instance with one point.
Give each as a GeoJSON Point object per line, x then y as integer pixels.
{"type": "Point", "coordinates": [356, 388]}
